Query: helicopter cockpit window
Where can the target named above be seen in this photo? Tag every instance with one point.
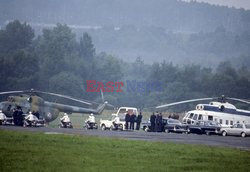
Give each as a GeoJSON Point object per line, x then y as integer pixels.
{"type": "Point", "coordinates": [210, 117]}
{"type": "Point", "coordinates": [191, 115]}
{"type": "Point", "coordinates": [195, 117]}
{"type": "Point", "coordinates": [200, 117]}
{"type": "Point", "coordinates": [8, 108]}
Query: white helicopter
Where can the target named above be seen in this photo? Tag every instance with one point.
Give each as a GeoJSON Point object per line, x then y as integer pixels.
{"type": "Point", "coordinates": [224, 113]}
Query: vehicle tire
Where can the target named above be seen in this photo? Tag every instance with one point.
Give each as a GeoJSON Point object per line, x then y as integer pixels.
{"type": "Point", "coordinates": [243, 134]}
{"type": "Point", "coordinates": [167, 131]}
{"type": "Point", "coordinates": [103, 127]}
{"type": "Point", "coordinates": [146, 129]}
{"type": "Point", "coordinates": [224, 133]}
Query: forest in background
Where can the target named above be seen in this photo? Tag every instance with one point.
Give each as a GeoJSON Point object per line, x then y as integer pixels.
{"type": "Point", "coordinates": [156, 30]}
{"type": "Point", "coordinates": [57, 61]}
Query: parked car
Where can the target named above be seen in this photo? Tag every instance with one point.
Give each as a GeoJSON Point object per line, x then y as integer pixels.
{"type": "Point", "coordinates": [242, 130]}
{"type": "Point", "coordinates": [204, 127]}
{"type": "Point", "coordinates": [168, 125]}
{"type": "Point", "coordinates": [173, 125]}
{"type": "Point", "coordinates": [146, 125]}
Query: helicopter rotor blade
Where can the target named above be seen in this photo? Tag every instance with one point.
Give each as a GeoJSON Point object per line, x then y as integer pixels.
{"type": "Point", "coordinates": [41, 92]}
{"type": "Point", "coordinates": [182, 102]}
{"type": "Point", "coordinates": [63, 96]}
{"type": "Point", "coordinates": [239, 100]}
{"type": "Point", "coordinates": [11, 92]}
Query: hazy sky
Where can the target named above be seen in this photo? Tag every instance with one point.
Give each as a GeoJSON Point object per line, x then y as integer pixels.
{"type": "Point", "coordinates": [235, 3]}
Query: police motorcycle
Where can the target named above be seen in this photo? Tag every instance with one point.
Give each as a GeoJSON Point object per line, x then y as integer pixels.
{"type": "Point", "coordinates": [116, 123]}
{"type": "Point", "coordinates": [65, 122]}
{"type": "Point", "coordinates": [31, 120]}
{"type": "Point", "coordinates": [3, 118]}
{"type": "Point", "coordinates": [90, 123]}
{"type": "Point", "coordinates": [65, 125]}
{"type": "Point", "coordinates": [116, 126]}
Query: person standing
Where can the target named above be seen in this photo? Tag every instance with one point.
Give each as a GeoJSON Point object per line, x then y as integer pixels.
{"type": "Point", "coordinates": [152, 121]}
{"type": "Point", "coordinates": [138, 121]}
{"type": "Point", "coordinates": [2, 118]}
{"type": "Point", "coordinates": [127, 119]}
{"type": "Point", "coordinates": [160, 123]}
{"type": "Point", "coordinates": [132, 121]}
{"type": "Point", "coordinates": [157, 122]}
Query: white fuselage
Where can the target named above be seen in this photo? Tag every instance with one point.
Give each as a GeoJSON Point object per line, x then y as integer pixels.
{"type": "Point", "coordinates": [224, 113]}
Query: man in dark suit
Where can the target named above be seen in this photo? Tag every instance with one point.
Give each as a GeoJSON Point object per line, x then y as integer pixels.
{"type": "Point", "coordinates": [138, 121]}
{"type": "Point", "coordinates": [127, 119]}
{"type": "Point", "coordinates": [132, 121]}
{"type": "Point", "coordinates": [152, 122]}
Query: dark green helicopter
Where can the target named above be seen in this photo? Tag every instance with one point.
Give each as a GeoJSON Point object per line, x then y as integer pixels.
{"type": "Point", "coordinates": [30, 101]}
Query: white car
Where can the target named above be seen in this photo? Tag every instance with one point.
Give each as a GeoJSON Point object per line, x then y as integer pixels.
{"type": "Point", "coordinates": [242, 130]}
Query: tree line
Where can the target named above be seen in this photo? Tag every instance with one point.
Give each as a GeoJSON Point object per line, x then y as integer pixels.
{"type": "Point", "coordinates": [56, 61]}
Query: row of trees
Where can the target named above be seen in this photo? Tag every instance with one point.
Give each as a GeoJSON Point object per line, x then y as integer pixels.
{"type": "Point", "coordinates": [56, 61]}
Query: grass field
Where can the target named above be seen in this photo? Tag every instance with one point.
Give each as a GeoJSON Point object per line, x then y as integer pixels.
{"type": "Point", "coordinates": [24, 151]}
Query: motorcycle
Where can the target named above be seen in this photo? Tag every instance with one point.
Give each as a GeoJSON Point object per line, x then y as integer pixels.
{"type": "Point", "coordinates": [90, 125]}
{"type": "Point", "coordinates": [117, 126]}
{"type": "Point", "coordinates": [30, 123]}
{"type": "Point", "coordinates": [65, 125]}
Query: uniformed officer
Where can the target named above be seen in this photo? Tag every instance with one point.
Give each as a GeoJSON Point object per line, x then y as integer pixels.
{"type": "Point", "coordinates": [29, 119]}
{"type": "Point", "coordinates": [138, 121]}
{"type": "Point", "coordinates": [65, 119]}
{"type": "Point", "coordinates": [91, 119]}
{"type": "Point", "coordinates": [127, 119]}
{"type": "Point", "coordinates": [116, 121]}
{"type": "Point", "coordinates": [132, 121]}
{"type": "Point", "coordinates": [160, 123]}
{"type": "Point", "coordinates": [152, 121]}
{"type": "Point", "coordinates": [2, 117]}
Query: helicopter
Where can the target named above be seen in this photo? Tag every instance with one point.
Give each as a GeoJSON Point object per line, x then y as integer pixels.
{"type": "Point", "coordinates": [226, 114]}
{"type": "Point", "coordinates": [30, 101]}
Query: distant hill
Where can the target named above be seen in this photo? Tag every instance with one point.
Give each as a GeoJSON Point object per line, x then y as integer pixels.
{"type": "Point", "coordinates": [156, 30]}
{"type": "Point", "coordinates": [169, 14]}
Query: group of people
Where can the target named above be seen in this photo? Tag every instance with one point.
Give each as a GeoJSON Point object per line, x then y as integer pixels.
{"type": "Point", "coordinates": [131, 120]}
{"type": "Point", "coordinates": [156, 122]}
{"type": "Point", "coordinates": [19, 118]}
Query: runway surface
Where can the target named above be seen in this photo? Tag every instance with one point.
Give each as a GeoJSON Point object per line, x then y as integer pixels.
{"type": "Point", "coordinates": [213, 140]}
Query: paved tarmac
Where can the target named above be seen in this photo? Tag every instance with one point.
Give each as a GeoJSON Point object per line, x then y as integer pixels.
{"type": "Point", "coordinates": [213, 140]}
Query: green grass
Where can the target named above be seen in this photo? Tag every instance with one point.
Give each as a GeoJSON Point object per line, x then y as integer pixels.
{"type": "Point", "coordinates": [24, 151]}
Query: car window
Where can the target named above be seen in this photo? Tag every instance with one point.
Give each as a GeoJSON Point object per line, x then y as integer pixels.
{"type": "Point", "coordinates": [247, 126]}
{"type": "Point", "coordinates": [239, 126]}
{"type": "Point", "coordinates": [173, 122]}
{"type": "Point", "coordinates": [122, 111]}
